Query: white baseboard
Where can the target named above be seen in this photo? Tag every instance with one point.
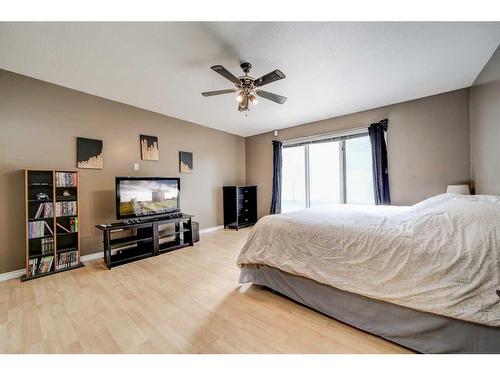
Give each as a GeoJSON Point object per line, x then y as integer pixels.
{"type": "Point", "coordinates": [89, 257]}
{"type": "Point", "coordinates": [11, 275]}
{"type": "Point", "coordinates": [212, 229]}
{"type": "Point", "coordinates": [86, 258]}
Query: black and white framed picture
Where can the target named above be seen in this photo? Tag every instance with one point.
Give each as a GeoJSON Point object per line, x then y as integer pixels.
{"type": "Point", "coordinates": [185, 162]}
{"type": "Point", "coordinates": [149, 147]}
{"type": "Point", "coordinates": [89, 153]}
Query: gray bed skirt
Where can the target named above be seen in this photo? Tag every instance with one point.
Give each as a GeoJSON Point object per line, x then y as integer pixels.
{"type": "Point", "coordinates": [417, 330]}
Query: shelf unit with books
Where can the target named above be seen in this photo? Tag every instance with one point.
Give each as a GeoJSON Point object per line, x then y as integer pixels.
{"type": "Point", "coordinates": [52, 222]}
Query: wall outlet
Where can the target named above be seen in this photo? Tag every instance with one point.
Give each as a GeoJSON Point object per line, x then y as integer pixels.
{"type": "Point", "coordinates": [136, 166]}
{"type": "Point", "coordinates": [275, 133]}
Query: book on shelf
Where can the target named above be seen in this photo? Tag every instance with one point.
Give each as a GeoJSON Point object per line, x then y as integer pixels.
{"type": "Point", "coordinates": [46, 264]}
{"type": "Point", "coordinates": [39, 211]}
{"type": "Point", "coordinates": [66, 208]}
{"type": "Point", "coordinates": [39, 229]}
{"type": "Point", "coordinates": [48, 210]}
{"type": "Point", "coordinates": [40, 265]}
{"type": "Point", "coordinates": [47, 245]}
{"type": "Point", "coordinates": [66, 179]}
{"type": "Point", "coordinates": [73, 224]}
{"type": "Point", "coordinates": [44, 211]}
{"type": "Point", "coordinates": [32, 266]}
{"type": "Point", "coordinates": [67, 259]}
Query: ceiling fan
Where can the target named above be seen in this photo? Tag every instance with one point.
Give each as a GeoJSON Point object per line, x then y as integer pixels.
{"type": "Point", "coordinates": [247, 87]}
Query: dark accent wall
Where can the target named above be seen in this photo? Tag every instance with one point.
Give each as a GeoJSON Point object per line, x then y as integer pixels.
{"type": "Point", "coordinates": [39, 123]}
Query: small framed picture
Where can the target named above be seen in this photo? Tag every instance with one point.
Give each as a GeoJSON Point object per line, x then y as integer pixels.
{"type": "Point", "coordinates": [185, 162]}
{"type": "Point", "coordinates": [89, 153]}
{"type": "Point", "coordinates": [149, 147]}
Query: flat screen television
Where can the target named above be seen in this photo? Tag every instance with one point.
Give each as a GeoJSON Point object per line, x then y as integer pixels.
{"type": "Point", "coordinates": [146, 196]}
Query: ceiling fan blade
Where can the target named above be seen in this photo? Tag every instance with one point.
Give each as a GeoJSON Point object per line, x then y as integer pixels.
{"type": "Point", "coordinates": [271, 96]}
{"type": "Point", "coordinates": [226, 74]}
{"type": "Point", "coordinates": [218, 92]}
{"type": "Point", "coordinates": [269, 77]}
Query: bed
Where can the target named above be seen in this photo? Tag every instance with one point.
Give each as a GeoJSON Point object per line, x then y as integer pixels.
{"type": "Point", "coordinates": [425, 276]}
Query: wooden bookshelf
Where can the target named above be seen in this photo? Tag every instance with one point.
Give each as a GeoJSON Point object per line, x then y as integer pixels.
{"type": "Point", "coordinates": [52, 222]}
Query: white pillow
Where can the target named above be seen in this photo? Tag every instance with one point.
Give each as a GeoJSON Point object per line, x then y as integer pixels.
{"type": "Point", "coordinates": [434, 201]}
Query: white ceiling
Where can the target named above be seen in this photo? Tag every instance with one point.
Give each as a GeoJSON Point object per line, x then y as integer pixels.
{"type": "Point", "coordinates": [332, 68]}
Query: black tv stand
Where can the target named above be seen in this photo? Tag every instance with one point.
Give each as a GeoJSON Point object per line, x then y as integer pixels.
{"type": "Point", "coordinates": [167, 216]}
{"type": "Point", "coordinates": [145, 238]}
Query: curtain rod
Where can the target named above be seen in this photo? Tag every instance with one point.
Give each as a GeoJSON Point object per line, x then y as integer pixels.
{"type": "Point", "coordinates": [338, 133]}
{"type": "Point", "coordinates": [335, 134]}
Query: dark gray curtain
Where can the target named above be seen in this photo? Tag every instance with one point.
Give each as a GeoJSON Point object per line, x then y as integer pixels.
{"type": "Point", "coordinates": [379, 162]}
{"type": "Point", "coordinates": [277, 164]}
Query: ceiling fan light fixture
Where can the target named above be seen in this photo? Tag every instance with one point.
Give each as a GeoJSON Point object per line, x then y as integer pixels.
{"type": "Point", "coordinates": [248, 88]}
{"type": "Point", "coordinates": [243, 106]}
{"type": "Point", "coordinates": [253, 100]}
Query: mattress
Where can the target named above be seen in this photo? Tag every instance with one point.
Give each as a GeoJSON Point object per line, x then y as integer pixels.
{"type": "Point", "coordinates": [417, 330]}
{"type": "Point", "coordinates": [441, 256]}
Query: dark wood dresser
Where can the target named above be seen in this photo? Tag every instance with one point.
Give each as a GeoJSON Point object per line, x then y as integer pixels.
{"type": "Point", "coordinates": [240, 206]}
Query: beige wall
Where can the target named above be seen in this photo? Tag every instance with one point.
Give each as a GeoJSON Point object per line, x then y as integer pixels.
{"type": "Point", "coordinates": [39, 123]}
{"type": "Point", "coordinates": [485, 128]}
{"type": "Point", "coordinates": [428, 143]}
{"type": "Point", "coordinates": [428, 146]}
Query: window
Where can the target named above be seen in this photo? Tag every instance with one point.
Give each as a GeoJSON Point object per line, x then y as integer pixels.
{"type": "Point", "coordinates": [358, 171]}
{"type": "Point", "coordinates": [325, 179]}
{"type": "Point", "coordinates": [324, 172]}
{"type": "Point", "coordinates": [293, 190]}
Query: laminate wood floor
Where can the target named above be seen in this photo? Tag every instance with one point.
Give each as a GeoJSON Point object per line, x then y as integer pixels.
{"type": "Point", "coordinates": [187, 301]}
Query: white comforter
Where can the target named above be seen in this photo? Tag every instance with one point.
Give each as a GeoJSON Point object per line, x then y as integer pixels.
{"type": "Point", "coordinates": [441, 255]}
